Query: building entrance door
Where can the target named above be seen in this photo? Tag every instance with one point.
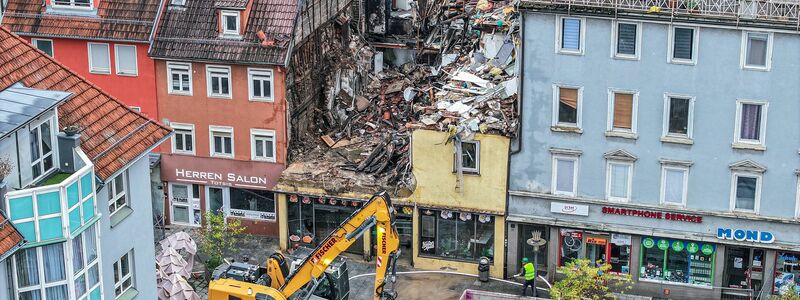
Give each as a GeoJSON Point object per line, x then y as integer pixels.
{"type": "Point", "coordinates": [743, 272]}
{"type": "Point", "coordinates": [597, 250]}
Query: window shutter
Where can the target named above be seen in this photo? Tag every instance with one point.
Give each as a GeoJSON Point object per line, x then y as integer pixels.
{"type": "Point", "coordinates": [682, 44]}
{"type": "Point", "coordinates": [626, 39]}
{"type": "Point", "coordinates": [571, 34]}
{"type": "Point", "coordinates": [568, 97]}
{"type": "Point", "coordinates": [623, 110]}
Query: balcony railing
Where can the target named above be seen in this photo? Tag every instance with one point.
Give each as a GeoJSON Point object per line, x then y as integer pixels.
{"type": "Point", "coordinates": [57, 211]}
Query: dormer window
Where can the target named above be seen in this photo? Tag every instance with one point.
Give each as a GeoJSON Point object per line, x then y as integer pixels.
{"type": "Point", "coordinates": [230, 22]}
{"type": "Point", "coordinates": [178, 2]}
{"type": "Point", "coordinates": [84, 4]}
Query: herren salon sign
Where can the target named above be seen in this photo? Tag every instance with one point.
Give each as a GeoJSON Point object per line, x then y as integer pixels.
{"type": "Point", "coordinates": [221, 179]}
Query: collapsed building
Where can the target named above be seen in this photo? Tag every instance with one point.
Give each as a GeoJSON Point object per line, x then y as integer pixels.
{"type": "Point", "coordinates": [410, 97]}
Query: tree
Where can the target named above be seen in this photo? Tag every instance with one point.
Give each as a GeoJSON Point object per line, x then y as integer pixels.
{"type": "Point", "coordinates": [583, 281]}
{"type": "Point", "coordinates": [218, 238]}
{"type": "Point", "coordinates": [789, 294]}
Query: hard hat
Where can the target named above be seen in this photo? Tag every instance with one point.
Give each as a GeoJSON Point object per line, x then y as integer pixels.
{"type": "Point", "coordinates": [525, 259]}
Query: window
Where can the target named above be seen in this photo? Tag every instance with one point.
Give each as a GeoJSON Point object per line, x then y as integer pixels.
{"type": "Point", "coordinates": [674, 182]}
{"type": "Point", "coordinates": [40, 273]}
{"type": "Point", "coordinates": [570, 35]}
{"type": "Point", "coordinates": [622, 112]}
{"type": "Point", "coordinates": [230, 22]}
{"type": "Point", "coordinates": [756, 50]}
{"type": "Point", "coordinates": [677, 261]}
{"type": "Point", "coordinates": [180, 78]}
{"type": "Point", "coordinates": [618, 181]}
{"type": "Point", "coordinates": [456, 235]}
{"type": "Point", "coordinates": [178, 2]}
{"type": "Point", "coordinates": [123, 274]}
{"type": "Point", "coordinates": [260, 84]}
{"type": "Point", "coordinates": [678, 115]}
{"type": "Point", "coordinates": [627, 36]}
{"type": "Point", "coordinates": [117, 195]}
{"type": "Point", "coordinates": [136, 108]}
{"type": "Point", "coordinates": [85, 262]}
{"type": "Point", "coordinates": [221, 141]}
{"type": "Point", "coordinates": [263, 144]}
{"type": "Point", "coordinates": [597, 247]}
{"type": "Point", "coordinates": [99, 59]}
{"type": "Point", "coordinates": [41, 139]}
{"type": "Point", "coordinates": [567, 102]}
{"type": "Point", "coordinates": [746, 192]}
{"type": "Point", "coordinates": [183, 140]}
{"type": "Point", "coordinates": [751, 123]}
{"type": "Point", "coordinates": [45, 45]}
{"type": "Point", "coordinates": [218, 81]}
{"type": "Point", "coordinates": [683, 45]}
{"type": "Point", "coordinates": [85, 4]}
{"type": "Point", "coordinates": [787, 273]}
{"type": "Point", "coordinates": [565, 175]}
{"type": "Point", "coordinates": [183, 200]}
{"type": "Point", "coordinates": [252, 204]}
{"type": "Point", "coordinates": [470, 157]}
{"type": "Point", "coordinates": [126, 60]}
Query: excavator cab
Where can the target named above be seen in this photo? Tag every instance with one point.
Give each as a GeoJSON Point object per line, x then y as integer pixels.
{"type": "Point", "coordinates": [335, 285]}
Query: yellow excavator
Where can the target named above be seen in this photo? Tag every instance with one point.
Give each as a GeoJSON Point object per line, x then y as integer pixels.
{"type": "Point", "coordinates": [321, 274]}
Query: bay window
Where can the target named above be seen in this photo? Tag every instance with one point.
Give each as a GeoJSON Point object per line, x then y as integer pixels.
{"type": "Point", "coordinates": [40, 273]}
{"type": "Point", "coordinates": [456, 235]}
{"type": "Point", "coordinates": [41, 140]}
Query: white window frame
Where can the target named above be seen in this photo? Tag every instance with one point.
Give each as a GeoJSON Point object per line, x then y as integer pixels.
{"type": "Point", "coordinates": [190, 203]}
{"type": "Point", "coordinates": [554, 173]}
{"type": "Point", "coordinates": [743, 57]}
{"type": "Point", "coordinates": [136, 108]}
{"type": "Point", "coordinates": [122, 278]}
{"type": "Point", "coordinates": [695, 46]}
{"type": "Point", "coordinates": [35, 43]}
{"type": "Point", "coordinates": [180, 68]}
{"type": "Point", "coordinates": [666, 136]}
{"type": "Point", "coordinates": [224, 22]}
{"type": "Point", "coordinates": [42, 286]}
{"type": "Point", "coordinates": [759, 182]}
{"type": "Point", "coordinates": [582, 45]}
{"type": "Point", "coordinates": [634, 113]}
{"type": "Point", "coordinates": [615, 42]}
{"type": "Point", "coordinates": [113, 195]}
{"type": "Point", "coordinates": [209, 78]}
{"type": "Point", "coordinates": [762, 134]}
{"type": "Point", "coordinates": [53, 148]}
{"type": "Point", "coordinates": [663, 189]}
{"type": "Point", "coordinates": [556, 96]}
{"type": "Point", "coordinates": [223, 129]}
{"type": "Point", "coordinates": [135, 60]}
{"type": "Point", "coordinates": [92, 68]}
{"type": "Point", "coordinates": [184, 126]}
{"type": "Point", "coordinates": [477, 168]}
{"type": "Point", "coordinates": [73, 6]}
{"type": "Point", "coordinates": [628, 164]}
{"type": "Point", "coordinates": [251, 72]}
{"type": "Point", "coordinates": [86, 264]}
{"type": "Point", "coordinates": [178, 2]}
{"type": "Point", "coordinates": [262, 132]}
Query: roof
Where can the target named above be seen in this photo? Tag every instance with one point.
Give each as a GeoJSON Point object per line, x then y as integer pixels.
{"type": "Point", "coordinates": [112, 134]}
{"type": "Point", "coordinates": [20, 105]}
{"type": "Point", "coordinates": [191, 33]}
{"type": "Point", "coordinates": [123, 20]}
{"type": "Point", "coordinates": [10, 238]}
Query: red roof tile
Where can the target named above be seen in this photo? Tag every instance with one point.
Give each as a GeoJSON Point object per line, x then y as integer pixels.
{"type": "Point", "coordinates": [10, 238]}
{"type": "Point", "coordinates": [124, 20]}
{"type": "Point", "coordinates": [113, 135]}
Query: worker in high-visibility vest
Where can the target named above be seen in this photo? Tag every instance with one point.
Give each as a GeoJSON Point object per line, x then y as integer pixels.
{"type": "Point", "coordinates": [529, 271]}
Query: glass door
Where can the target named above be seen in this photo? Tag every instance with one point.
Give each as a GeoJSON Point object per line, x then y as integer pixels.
{"type": "Point", "coordinates": [182, 203]}
{"type": "Point", "coordinates": [217, 199]}
{"type": "Point", "coordinates": [597, 250]}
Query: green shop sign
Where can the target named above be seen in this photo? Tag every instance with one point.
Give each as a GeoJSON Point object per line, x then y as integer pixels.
{"type": "Point", "coordinates": [648, 243]}
{"type": "Point", "coordinates": [692, 247]}
{"type": "Point", "coordinates": [663, 244]}
{"type": "Point", "coordinates": [677, 246]}
{"type": "Point", "coordinates": [707, 249]}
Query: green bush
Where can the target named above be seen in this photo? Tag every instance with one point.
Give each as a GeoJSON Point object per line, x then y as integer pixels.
{"type": "Point", "coordinates": [583, 281]}
{"type": "Point", "coordinates": [218, 238]}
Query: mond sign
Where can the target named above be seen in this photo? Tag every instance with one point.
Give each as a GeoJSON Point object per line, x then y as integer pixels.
{"type": "Point", "coordinates": [763, 237]}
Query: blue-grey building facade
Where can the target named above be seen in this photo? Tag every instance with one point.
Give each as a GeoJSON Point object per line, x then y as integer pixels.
{"type": "Point", "coordinates": [663, 144]}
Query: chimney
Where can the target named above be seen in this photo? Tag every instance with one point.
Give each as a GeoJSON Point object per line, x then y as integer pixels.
{"type": "Point", "coordinates": [66, 154]}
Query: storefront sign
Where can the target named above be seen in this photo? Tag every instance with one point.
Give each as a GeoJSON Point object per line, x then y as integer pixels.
{"type": "Point", "coordinates": [596, 241]}
{"type": "Point", "coordinates": [692, 247]}
{"type": "Point", "coordinates": [223, 179]}
{"type": "Point", "coordinates": [651, 214]}
{"type": "Point", "coordinates": [707, 249]}
{"type": "Point", "coordinates": [220, 172]}
{"type": "Point", "coordinates": [620, 239]}
{"type": "Point", "coordinates": [252, 214]}
{"type": "Point", "coordinates": [569, 209]}
{"type": "Point", "coordinates": [763, 237]}
{"type": "Point", "coordinates": [663, 244]}
{"type": "Point", "coordinates": [648, 243]}
{"type": "Point", "coordinates": [677, 246]}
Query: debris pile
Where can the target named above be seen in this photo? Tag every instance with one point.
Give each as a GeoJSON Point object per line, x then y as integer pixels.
{"type": "Point", "coordinates": [463, 80]}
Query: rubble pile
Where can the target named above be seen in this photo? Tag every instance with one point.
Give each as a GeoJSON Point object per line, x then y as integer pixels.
{"type": "Point", "coordinates": [368, 116]}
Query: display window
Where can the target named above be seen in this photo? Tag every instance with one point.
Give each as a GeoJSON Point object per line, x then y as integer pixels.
{"type": "Point", "coordinates": [787, 273]}
{"type": "Point", "coordinates": [598, 247]}
{"type": "Point", "coordinates": [312, 219]}
{"type": "Point", "coordinates": [456, 235]}
{"type": "Point", "coordinates": [527, 232]}
{"type": "Point", "coordinates": [744, 271]}
{"type": "Point", "coordinates": [677, 261]}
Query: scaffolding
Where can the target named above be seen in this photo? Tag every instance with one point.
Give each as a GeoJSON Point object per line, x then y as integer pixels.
{"type": "Point", "coordinates": [783, 14]}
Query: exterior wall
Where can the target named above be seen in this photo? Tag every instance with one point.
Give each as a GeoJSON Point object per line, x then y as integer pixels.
{"type": "Point", "coordinates": [135, 233]}
{"type": "Point", "coordinates": [436, 180]}
{"type": "Point", "coordinates": [137, 90]}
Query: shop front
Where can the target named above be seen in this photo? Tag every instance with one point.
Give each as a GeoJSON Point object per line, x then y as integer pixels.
{"type": "Point", "coordinates": [237, 189]}
{"type": "Point", "coordinates": [668, 253]}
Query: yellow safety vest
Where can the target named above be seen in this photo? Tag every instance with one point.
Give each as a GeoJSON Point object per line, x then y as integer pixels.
{"type": "Point", "coordinates": [530, 271]}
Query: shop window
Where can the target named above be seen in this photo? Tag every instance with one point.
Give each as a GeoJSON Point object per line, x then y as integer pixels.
{"type": "Point", "coordinates": [571, 244]}
{"type": "Point", "coordinates": [527, 232]}
{"type": "Point", "coordinates": [185, 203]}
{"type": "Point", "coordinates": [787, 273]}
{"type": "Point", "coordinates": [598, 247]}
{"type": "Point", "coordinates": [253, 204]}
{"type": "Point", "coordinates": [744, 271]}
{"type": "Point", "coordinates": [456, 235]}
{"type": "Point", "coordinates": [677, 261]}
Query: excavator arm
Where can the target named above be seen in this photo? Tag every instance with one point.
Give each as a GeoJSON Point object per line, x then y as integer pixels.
{"type": "Point", "coordinates": [377, 212]}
